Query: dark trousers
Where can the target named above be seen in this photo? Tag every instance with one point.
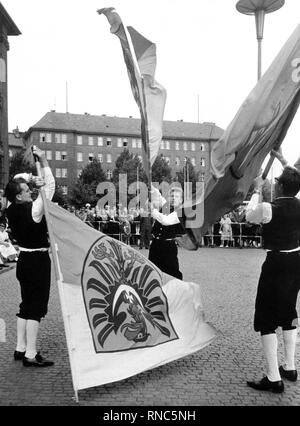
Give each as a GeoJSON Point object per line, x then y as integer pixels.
{"type": "Point", "coordinates": [34, 275]}
{"type": "Point", "coordinates": [277, 292]}
{"type": "Point", "coordinates": [164, 255]}
{"type": "Point", "coordinates": [145, 238]}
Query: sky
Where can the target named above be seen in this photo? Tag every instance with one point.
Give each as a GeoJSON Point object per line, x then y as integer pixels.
{"type": "Point", "coordinates": [206, 59]}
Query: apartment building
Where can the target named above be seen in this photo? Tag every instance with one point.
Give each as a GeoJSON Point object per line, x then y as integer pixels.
{"type": "Point", "coordinates": [71, 141]}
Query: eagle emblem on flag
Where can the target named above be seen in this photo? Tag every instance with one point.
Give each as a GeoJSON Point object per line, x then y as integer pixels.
{"type": "Point", "coordinates": [124, 300]}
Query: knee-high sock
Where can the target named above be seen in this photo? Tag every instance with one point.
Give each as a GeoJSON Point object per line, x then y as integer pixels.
{"type": "Point", "coordinates": [21, 334]}
{"type": "Point", "coordinates": [32, 329]}
{"type": "Point", "coordinates": [289, 340]}
{"type": "Point", "coordinates": [270, 345]}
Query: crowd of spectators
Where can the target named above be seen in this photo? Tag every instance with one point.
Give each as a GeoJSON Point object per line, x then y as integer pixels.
{"type": "Point", "coordinates": [134, 227]}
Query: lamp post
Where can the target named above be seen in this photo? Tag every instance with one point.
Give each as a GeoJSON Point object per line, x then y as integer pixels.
{"type": "Point", "coordinates": [259, 8]}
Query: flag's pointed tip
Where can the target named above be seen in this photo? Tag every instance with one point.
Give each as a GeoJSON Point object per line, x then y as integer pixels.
{"type": "Point", "coordinates": [105, 10]}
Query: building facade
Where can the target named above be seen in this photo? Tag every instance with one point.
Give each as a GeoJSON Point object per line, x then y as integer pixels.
{"type": "Point", "coordinates": [7, 28]}
{"type": "Point", "coordinates": [71, 141]}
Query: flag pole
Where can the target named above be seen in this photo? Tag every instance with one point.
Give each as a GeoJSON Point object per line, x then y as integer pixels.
{"type": "Point", "coordinates": [146, 136]}
{"type": "Point", "coordinates": [59, 279]}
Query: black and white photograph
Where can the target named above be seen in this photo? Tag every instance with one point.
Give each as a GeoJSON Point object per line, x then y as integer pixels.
{"type": "Point", "coordinates": [149, 206]}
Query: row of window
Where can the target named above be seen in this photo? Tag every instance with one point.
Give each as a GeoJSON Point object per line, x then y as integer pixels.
{"type": "Point", "coordinates": [58, 138]}
{"type": "Point", "coordinates": [121, 142]}
{"type": "Point", "coordinates": [62, 156]}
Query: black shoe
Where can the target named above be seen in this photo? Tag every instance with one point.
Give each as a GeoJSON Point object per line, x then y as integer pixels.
{"type": "Point", "coordinates": [37, 361]}
{"type": "Point", "coordinates": [290, 375]}
{"type": "Point", "coordinates": [18, 356]}
{"type": "Point", "coordinates": [266, 385]}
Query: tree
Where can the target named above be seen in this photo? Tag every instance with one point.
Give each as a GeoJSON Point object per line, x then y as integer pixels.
{"type": "Point", "coordinates": [129, 164]}
{"type": "Point", "coordinates": [59, 196]}
{"type": "Point", "coordinates": [84, 190]}
{"type": "Point", "coordinates": [190, 172]}
{"type": "Point", "coordinates": [161, 171]}
{"type": "Point", "coordinates": [18, 164]}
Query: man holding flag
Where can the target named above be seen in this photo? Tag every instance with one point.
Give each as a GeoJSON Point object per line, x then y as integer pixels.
{"type": "Point", "coordinates": [279, 281]}
{"type": "Point", "coordinates": [28, 226]}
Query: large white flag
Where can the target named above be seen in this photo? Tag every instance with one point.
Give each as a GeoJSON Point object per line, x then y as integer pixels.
{"type": "Point", "coordinates": [122, 314]}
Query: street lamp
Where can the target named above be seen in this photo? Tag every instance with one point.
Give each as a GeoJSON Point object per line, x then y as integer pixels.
{"type": "Point", "coordinates": [259, 8]}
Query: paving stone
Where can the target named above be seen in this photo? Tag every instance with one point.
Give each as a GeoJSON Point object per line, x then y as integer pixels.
{"type": "Point", "coordinates": [214, 376]}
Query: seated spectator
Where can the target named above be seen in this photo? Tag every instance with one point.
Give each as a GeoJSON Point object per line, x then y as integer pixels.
{"type": "Point", "coordinates": [7, 250]}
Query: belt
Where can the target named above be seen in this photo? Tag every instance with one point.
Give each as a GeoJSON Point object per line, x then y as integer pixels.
{"type": "Point", "coordinates": [163, 239]}
{"type": "Point", "coordinates": [26, 250]}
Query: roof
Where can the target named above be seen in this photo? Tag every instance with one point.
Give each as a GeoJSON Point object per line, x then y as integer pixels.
{"type": "Point", "coordinates": [9, 24]}
{"type": "Point", "coordinates": [94, 124]}
{"type": "Point", "coordinates": [15, 142]}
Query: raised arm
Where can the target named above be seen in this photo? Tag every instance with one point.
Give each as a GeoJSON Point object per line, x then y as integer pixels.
{"type": "Point", "coordinates": [256, 211]}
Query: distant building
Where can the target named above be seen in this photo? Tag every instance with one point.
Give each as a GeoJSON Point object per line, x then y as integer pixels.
{"type": "Point", "coordinates": [15, 143]}
{"type": "Point", "coordinates": [71, 141]}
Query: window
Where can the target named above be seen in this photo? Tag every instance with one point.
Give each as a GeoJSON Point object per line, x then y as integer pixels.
{"type": "Point", "coordinates": [57, 155]}
{"type": "Point", "coordinates": [79, 140]}
{"type": "Point", "coordinates": [109, 174]}
{"type": "Point", "coordinates": [91, 141]}
{"type": "Point", "coordinates": [139, 142]}
{"type": "Point", "coordinates": [58, 173]}
{"type": "Point", "coordinates": [45, 137]}
{"type": "Point", "coordinates": [120, 143]}
{"type": "Point", "coordinates": [167, 145]}
{"type": "Point", "coordinates": [202, 147]}
{"type": "Point", "coordinates": [202, 176]}
{"type": "Point", "coordinates": [184, 146]}
{"type": "Point", "coordinates": [57, 138]}
{"type": "Point", "coordinates": [167, 160]}
{"type": "Point", "coordinates": [64, 189]}
{"type": "Point", "coordinates": [108, 158]}
{"type": "Point", "coordinates": [193, 161]}
{"type": "Point", "coordinates": [64, 138]}
{"type": "Point", "coordinates": [64, 155]}
{"type": "Point", "coordinates": [64, 173]}
{"type": "Point", "coordinates": [108, 142]}
{"type": "Point", "coordinates": [10, 153]}
{"type": "Point", "coordinates": [91, 156]}
{"type": "Point", "coordinates": [48, 155]}
{"type": "Point", "coordinates": [100, 141]}
{"type": "Point", "coordinates": [125, 142]}
{"type": "Point", "coordinates": [177, 161]}
{"type": "Point", "coordinates": [202, 162]}
{"type": "Point", "coordinates": [193, 146]}
{"type": "Point", "coordinates": [162, 145]}
{"type": "Point", "coordinates": [100, 158]}
{"type": "Point", "coordinates": [133, 143]}
{"type": "Point", "coordinates": [177, 146]}
{"type": "Point", "coordinates": [79, 156]}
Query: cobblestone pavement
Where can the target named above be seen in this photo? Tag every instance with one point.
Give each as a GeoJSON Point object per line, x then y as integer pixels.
{"type": "Point", "coordinates": [214, 376]}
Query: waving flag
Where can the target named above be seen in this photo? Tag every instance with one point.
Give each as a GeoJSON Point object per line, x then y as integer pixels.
{"type": "Point", "coordinates": [122, 315]}
{"type": "Point", "coordinates": [259, 126]}
{"type": "Point", "coordinates": [149, 95]}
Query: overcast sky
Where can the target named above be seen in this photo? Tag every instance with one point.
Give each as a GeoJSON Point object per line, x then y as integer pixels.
{"type": "Point", "coordinates": [205, 48]}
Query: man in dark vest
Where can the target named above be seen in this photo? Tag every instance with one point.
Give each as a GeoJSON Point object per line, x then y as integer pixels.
{"type": "Point", "coordinates": [28, 227]}
{"type": "Point", "coordinates": [163, 248]}
{"type": "Point", "coordinates": [279, 281]}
